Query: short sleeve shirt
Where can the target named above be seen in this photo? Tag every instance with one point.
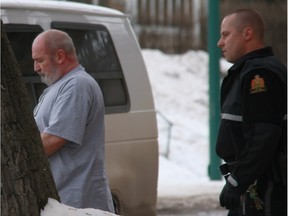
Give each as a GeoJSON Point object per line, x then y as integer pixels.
{"type": "Point", "coordinates": [73, 109]}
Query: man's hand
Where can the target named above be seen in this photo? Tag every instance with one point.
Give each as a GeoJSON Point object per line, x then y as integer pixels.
{"type": "Point", "coordinates": [230, 196]}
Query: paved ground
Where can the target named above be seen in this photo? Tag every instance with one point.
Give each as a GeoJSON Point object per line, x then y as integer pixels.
{"type": "Point", "coordinates": [191, 206]}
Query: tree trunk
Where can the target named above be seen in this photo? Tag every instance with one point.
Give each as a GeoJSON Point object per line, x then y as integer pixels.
{"type": "Point", "coordinates": [26, 179]}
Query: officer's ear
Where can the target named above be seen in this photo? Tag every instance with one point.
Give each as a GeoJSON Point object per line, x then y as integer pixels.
{"type": "Point", "coordinates": [248, 33]}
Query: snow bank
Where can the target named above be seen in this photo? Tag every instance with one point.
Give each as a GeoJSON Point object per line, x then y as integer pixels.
{"type": "Point", "coordinates": [180, 89]}
{"type": "Point", "coordinates": [54, 208]}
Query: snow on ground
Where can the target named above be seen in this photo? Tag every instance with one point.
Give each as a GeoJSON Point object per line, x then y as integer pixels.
{"type": "Point", "coordinates": [180, 88]}
{"type": "Point", "coordinates": [54, 208]}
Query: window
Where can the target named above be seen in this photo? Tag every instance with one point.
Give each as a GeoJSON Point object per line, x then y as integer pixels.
{"type": "Point", "coordinates": [21, 37]}
{"type": "Point", "coordinates": [96, 53]}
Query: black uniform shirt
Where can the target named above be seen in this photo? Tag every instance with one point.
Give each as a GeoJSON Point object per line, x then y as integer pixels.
{"type": "Point", "coordinates": [253, 109]}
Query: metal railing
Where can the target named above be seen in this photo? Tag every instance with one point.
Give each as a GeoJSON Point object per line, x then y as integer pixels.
{"type": "Point", "coordinates": [161, 131]}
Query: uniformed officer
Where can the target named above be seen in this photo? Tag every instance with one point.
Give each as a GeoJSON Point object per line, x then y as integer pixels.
{"type": "Point", "coordinates": [252, 138]}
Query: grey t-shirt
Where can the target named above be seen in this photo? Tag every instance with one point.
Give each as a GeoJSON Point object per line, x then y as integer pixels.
{"type": "Point", "coordinates": [73, 109]}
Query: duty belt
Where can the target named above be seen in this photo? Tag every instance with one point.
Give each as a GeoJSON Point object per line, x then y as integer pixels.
{"type": "Point", "coordinates": [227, 168]}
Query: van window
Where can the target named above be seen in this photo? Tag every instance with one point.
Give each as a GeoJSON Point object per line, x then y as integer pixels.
{"type": "Point", "coordinates": [21, 37]}
{"type": "Point", "coordinates": [96, 54]}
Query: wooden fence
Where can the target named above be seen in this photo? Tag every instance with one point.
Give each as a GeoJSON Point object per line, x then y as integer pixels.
{"type": "Point", "coordinates": [170, 25]}
{"type": "Point", "coordinates": [175, 26]}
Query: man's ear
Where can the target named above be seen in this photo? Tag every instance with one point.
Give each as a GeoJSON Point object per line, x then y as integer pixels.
{"type": "Point", "coordinates": [60, 56]}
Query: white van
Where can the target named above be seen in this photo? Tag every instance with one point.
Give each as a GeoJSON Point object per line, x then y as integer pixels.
{"type": "Point", "coordinates": [109, 51]}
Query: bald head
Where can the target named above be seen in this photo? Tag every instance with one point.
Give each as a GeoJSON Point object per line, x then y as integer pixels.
{"type": "Point", "coordinates": [54, 55]}
{"type": "Point", "coordinates": [242, 31]}
{"type": "Point", "coordinates": [249, 18]}
{"type": "Point", "coordinates": [54, 40]}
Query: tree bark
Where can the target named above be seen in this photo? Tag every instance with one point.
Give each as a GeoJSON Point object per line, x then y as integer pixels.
{"type": "Point", "coordinates": [26, 178]}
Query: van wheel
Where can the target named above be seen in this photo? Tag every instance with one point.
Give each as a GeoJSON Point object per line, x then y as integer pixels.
{"type": "Point", "coordinates": [117, 205]}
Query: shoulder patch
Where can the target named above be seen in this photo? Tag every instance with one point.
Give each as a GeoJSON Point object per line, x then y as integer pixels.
{"type": "Point", "coordinates": [257, 85]}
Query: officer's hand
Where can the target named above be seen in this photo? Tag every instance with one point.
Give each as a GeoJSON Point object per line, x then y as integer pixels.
{"type": "Point", "coordinates": [230, 196]}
